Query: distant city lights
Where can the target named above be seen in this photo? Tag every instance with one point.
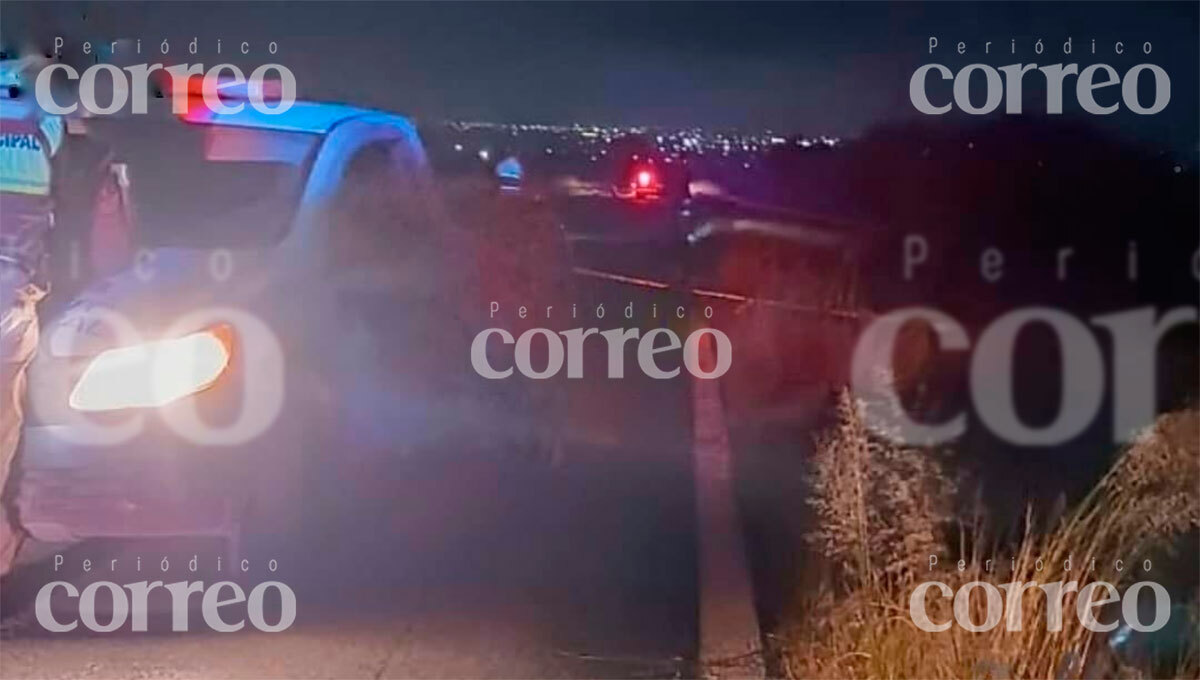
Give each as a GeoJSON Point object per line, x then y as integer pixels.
{"type": "Point", "coordinates": [592, 142]}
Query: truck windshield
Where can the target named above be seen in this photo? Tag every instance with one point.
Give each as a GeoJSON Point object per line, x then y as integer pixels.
{"type": "Point", "coordinates": [209, 186]}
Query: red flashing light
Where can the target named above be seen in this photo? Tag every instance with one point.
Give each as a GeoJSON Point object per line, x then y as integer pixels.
{"type": "Point", "coordinates": [641, 183]}
{"type": "Point", "coordinates": [191, 87]}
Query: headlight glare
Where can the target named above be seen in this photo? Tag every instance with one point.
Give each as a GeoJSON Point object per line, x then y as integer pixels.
{"type": "Point", "coordinates": [154, 373]}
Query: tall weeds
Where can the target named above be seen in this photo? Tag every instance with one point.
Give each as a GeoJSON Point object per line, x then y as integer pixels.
{"type": "Point", "coordinates": [877, 504]}
{"type": "Point", "coordinates": [881, 509]}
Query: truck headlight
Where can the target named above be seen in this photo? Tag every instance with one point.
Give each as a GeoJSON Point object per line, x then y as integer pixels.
{"type": "Point", "coordinates": [153, 373]}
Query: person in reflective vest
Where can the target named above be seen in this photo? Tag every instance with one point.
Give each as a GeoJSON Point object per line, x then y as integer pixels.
{"type": "Point", "coordinates": [29, 139]}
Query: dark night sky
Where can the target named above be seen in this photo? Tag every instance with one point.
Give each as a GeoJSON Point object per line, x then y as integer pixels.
{"type": "Point", "coordinates": [827, 67]}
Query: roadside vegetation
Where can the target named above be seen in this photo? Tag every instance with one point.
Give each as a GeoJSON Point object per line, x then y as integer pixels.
{"type": "Point", "coordinates": [882, 509]}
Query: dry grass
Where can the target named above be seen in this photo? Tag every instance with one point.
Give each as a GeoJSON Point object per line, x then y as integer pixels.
{"type": "Point", "coordinates": [877, 504]}
{"type": "Point", "coordinates": [876, 525]}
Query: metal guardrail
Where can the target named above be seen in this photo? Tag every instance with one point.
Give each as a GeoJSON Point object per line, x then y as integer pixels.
{"type": "Point", "coordinates": [832, 312]}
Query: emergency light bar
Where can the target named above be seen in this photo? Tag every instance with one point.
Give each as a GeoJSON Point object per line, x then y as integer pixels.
{"type": "Point", "coordinates": [227, 88]}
